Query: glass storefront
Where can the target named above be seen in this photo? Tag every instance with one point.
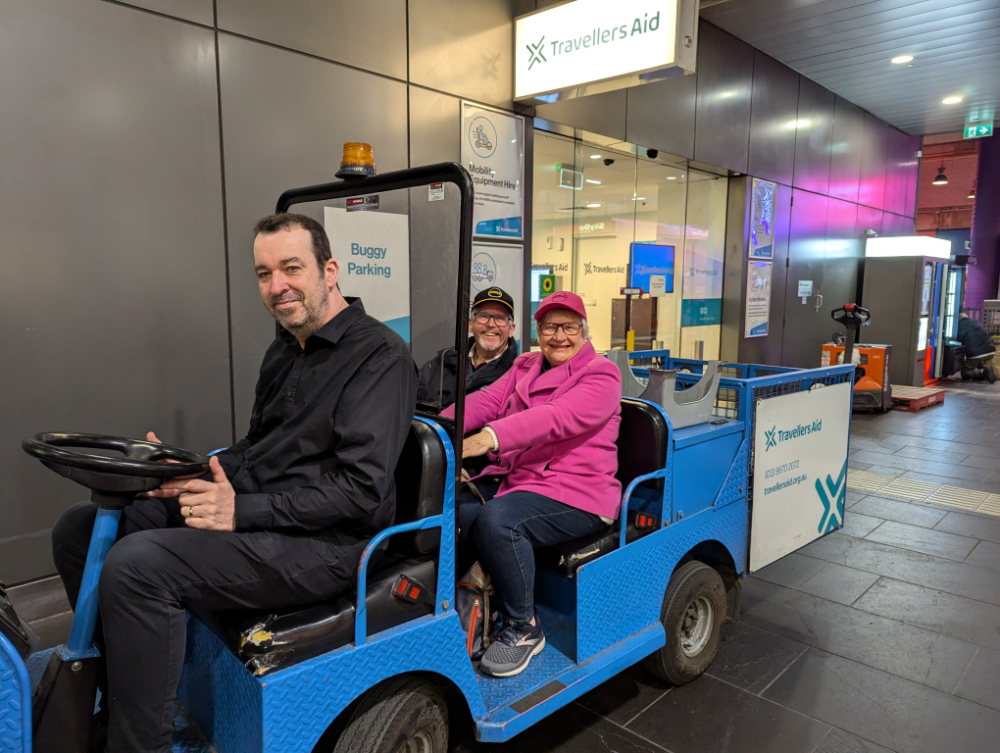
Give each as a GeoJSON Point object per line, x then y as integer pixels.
{"type": "Point", "coordinates": [607, 216]}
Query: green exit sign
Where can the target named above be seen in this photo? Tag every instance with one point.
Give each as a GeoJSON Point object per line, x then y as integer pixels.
{"type": "Point", "coordinates": [978, 131]}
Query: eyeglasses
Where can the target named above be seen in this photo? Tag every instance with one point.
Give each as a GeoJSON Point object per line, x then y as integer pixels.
{"type": "Point", "coordinates": [570, 328]}
{"type": "Point", "coordinates": [501, 319]}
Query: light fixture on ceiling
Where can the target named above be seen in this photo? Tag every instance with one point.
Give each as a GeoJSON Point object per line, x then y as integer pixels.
{"type": "Point", "coordinates": [972, 191]}
{"type": "Point", "coordinates": [638, 198]}
{"type": "Point", "coordinates": [595, 182]}
{"type": "Point", "coordinates": [941, 179]}
{"type": "Point", "coordinates": [900, 59]}
{"type": "Point", "coordinates": [595, 156]}
{"type": "Point", "coordinates": [593, 205]}
{"type": "Point", "coordinates": [671, 177]}
{"type": "Point", "coordinates": [951, 100]}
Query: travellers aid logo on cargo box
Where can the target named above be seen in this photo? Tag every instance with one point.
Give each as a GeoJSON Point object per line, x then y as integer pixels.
{"type": "Point", "coordinates": [775, 435]}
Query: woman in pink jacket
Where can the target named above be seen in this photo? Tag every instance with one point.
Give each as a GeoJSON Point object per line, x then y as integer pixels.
{"type": "Point", "coordinates": [549, 427]}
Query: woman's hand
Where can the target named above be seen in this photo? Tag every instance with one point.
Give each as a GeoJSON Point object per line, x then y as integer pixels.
{"type": "Point", "coordinates": [476, 445]}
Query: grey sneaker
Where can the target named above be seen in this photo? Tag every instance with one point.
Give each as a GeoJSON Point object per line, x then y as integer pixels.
{"type": "Point", "coordinates": [510, 653]}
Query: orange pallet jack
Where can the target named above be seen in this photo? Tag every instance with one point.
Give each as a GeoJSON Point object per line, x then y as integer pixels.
{"type": "Point", "coordinates": [872, 390]}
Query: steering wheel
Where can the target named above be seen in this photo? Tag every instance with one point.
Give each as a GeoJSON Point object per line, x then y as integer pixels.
{"type": "Point", "coordinates": [113, 481]}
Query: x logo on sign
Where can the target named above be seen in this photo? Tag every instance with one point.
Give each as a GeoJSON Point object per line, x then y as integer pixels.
{"type": "Point", "coordinates": [535, 51]}
{"type": "Point", "coordinates": [833, 505]}
{"type": "Point", "coordinates": [771, 441]}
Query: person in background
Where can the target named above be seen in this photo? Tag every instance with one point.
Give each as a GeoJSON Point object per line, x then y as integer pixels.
{"type": "Point", "coordinates": [549, 427]}
{"type": "Point", "coordinates": [492, 350]}
{"type": "Point", "coordinates": [979, 350]}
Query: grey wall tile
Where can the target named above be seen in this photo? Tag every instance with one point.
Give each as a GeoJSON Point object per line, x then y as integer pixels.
{"type": "Point", "coordinates": [114, 301]}
{"type": "Point", "coordinates": [896, 171]}
{"type": "Point", "coordinates": [361, 33]}
{"type": "Point", "coordinates": [813, 137]}
{"type": "Point", "coordinates": [772, 119]}
{"type": "Point", "coordinates": [912, 177]}
{"type": "Point", "coordinates": [873, 158]}
{"type": "Point", "coordinates": [199, 11]}
{"type": "Point", "coordinates": [435, 123]}
{"type": "Point", "coordinates": [296, 140]}
{"type": "Point", "coordinates": [725, 85]}
{"type": "Point", "coordinates": [845, 150]}
{"type": "Point", "coordinates": [465, 49]}
{"type": "Point", "coordinates": [600, 113]}
{"type": "Point", "coordinates": [661, 115]}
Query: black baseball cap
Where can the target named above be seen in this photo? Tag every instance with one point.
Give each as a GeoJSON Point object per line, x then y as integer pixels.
{"type": "Point", "coordinates": [494, 294]}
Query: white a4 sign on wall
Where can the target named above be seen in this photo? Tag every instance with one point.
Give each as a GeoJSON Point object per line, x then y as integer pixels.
{"type": "Point", "coordinates": [799, 470]}
{"type": "Point", "coordinates": [373, 251]}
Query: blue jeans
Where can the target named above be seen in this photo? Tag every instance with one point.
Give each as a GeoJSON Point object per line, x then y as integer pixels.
{"type": "Point", "coordinates": [506, 530]}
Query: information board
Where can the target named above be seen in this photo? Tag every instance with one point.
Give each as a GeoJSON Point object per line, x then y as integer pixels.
{"type": "Point", "coordinates": [493, 153]}
{"type": "Point", "coordinates": [799, 470]}
{"type": "Point", "coordinates": [758, 311]}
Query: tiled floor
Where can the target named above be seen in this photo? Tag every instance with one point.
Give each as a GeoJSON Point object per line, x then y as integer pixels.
{"type": "Point", "coordinates": [882, 637]}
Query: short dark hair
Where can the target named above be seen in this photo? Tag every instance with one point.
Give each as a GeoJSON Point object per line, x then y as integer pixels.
{"type": "Point", "coordinates": [287, 221]}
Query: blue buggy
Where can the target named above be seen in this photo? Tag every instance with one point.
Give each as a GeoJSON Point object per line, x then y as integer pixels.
{"type": "Point", "coordinates": [725, 467]}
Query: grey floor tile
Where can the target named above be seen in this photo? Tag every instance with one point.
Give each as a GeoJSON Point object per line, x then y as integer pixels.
{"type": "Point", "coordinates": [858, 525]}
{"type": "Point", "coordinates": [901, 715]}
{"type": "Point", "coordinates": [41, 598]}
{"type": "Point", "coordinates": [883, 470]}
{"type": "Point", "coordinates": [936, 543]}
{"type": "Point", "coordinates": [853, 496]}
{"type": "Point", "coordinates": [838, 583]}
{"type": "Point", "coordinates": [974, 461]}
{"type": "Point", "coordinates": [751, 658]}
{"type": "Point", "coordinates": [838, 741]}
{"type": "Point", "coordinates": [981, 682]}
{"type": "Point", "coordinates": [974, 526]}
{"type": "Point", "coordinates": [938, 456]}
{"type": "Point", "coordinates": [622, 697]}
{"type": "Point", "coordinates": [573, 729]}
{"type": "Point", "coordinates": [986, 554]}
{"type": "Point", "coordinates": [851, 463]}
{"type": "Point", "coordinates": [921, 466]}
{"type": "Point", "coordinates": [904, 650]}
{"type": "Point", "coordinates": [902, 564]}
{"type": "Point", "coordinates": [947, 614]}
{"type": "Point", "coordinates": [899, 511]}
{"type": "Point", "coordinates": [54, 630]}
{"type": "Point", "coordinates": [710, 716]}
{"type": "Point", "coordinates": [791, 570]}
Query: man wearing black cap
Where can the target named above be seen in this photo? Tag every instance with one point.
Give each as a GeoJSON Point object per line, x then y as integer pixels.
{"type": "Point", "coordinates": [492, 349]}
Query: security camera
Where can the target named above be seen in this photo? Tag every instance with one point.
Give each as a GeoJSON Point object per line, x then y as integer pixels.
{"type": "Point", "coordinates": [652, 153]}
{"type": "Point", "coordinates": [608, 162]}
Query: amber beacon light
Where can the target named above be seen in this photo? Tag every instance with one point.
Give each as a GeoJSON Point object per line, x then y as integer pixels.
{"type": "Point", "coordinates": [358, 161]}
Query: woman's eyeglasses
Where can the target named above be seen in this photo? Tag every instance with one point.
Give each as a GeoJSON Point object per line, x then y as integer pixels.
{"type": "Point", "coordinates": [570, 328]}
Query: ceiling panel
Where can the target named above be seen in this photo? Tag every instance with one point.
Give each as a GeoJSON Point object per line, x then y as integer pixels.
{"type": "Point", "coordinates": [846, 45]}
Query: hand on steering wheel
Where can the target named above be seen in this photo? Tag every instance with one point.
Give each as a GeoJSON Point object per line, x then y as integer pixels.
{"type": "Point", "coordinates": [208, 505]}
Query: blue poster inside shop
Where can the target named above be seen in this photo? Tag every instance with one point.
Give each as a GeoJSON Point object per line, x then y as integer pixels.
{"type": "Point", "coordinates": [698, 312]}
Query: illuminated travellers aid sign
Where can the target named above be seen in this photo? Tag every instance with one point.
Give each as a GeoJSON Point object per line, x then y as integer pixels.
{"type": "Point", "coordinates": [589, 46]}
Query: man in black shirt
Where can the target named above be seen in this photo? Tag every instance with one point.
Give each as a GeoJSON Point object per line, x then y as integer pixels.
{"type": "Point", "coordinates": [283, 516]}
{"type": "Point", "coordinates": [492, 349]}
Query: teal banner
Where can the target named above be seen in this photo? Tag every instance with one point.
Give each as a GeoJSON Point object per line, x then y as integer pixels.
{"type": "Point", "coordinates": [698, 312]}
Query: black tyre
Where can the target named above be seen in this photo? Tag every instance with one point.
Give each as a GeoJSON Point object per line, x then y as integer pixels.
{"type": "Point", "coordinates": [991, 376]}
{"type": "Point", "coordinates": [405, 715]}
{"type": "Point", "coordinates": [694, 609]}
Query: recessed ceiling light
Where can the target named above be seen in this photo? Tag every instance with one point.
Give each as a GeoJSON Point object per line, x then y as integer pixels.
{"type": "Point", "coordinates": [638, 198]}
{"type": "Point", "coordinates": [671, 177]}
{"type": "Point", "coordinates": [595, 156]}
{"type": "Point", "coordinates": [900, 59]}
{"type": "Point", "coordinates": [951, 100]}
{"type": "Point", "coordinates": [595, 182]}
{"type": "Point", "coordinates": [593, 205]}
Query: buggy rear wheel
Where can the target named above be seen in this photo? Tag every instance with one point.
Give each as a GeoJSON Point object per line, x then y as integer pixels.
{"type": "Point", "coordinates": [694, 609]}
{"type": "Point", "coordinates": [403, 715]}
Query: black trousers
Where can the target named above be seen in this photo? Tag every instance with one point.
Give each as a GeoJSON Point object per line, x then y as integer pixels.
{"type": "Point", "coordinates": [156, 570]}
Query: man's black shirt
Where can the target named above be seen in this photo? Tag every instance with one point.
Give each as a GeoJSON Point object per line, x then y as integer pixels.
{"type": "Point", "coordinates": [328, 425]}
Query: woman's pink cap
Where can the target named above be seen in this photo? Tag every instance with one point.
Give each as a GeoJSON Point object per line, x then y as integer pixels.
{"type": "Point", "coordinates": [561, 300]}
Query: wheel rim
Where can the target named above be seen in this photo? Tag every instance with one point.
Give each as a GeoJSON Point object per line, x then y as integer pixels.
{"type": "Point", "coordinates": [696, 627]}
{"type": "Point", "coordinates": [421, 742]}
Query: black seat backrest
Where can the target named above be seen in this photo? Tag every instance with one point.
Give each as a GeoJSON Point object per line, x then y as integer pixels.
{"type": "Point", "coordinates": [642, 442]}
{"type": "Point", "coordinates": [420, 480]}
